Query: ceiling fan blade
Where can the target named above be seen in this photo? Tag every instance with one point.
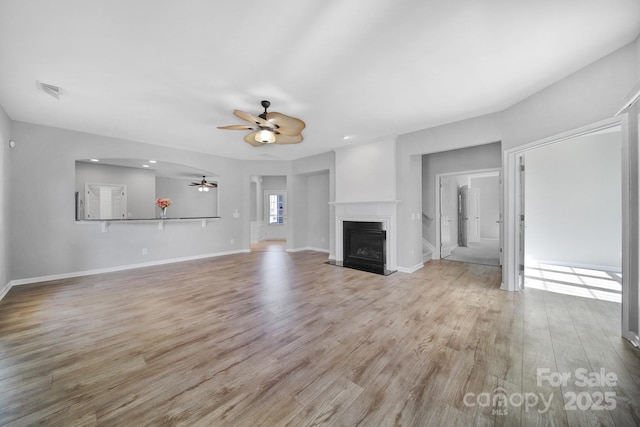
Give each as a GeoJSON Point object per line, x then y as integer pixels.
{"type": "Point", "coordinates": [286, 125]}
{"type": "Point", "coordinates": [253, 119]}
{"type": "Point", "coordinates": [238, 127]}
{"type": "Point", "coordinates": [288, 139]}
{"type": "Point", "coordinates": [251, 139]}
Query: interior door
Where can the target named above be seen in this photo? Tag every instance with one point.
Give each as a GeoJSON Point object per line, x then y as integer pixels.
{"type": "Point", "coordinates": [445, 217]}
{"type": "Point", "coordinates": [463, 215]}
{"type": "Point", "coordinates": [499, 221]}
{"type": "Point", "coordinates": [473, 207]}
{"type": "Point", "coordinates": [105, 201]}
{"type": "Point", "coordinates": [522, 225]}
{"type": "Point", "coordinates": [275, 205]}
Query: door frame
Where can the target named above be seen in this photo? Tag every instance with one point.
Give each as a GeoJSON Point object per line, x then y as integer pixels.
{"type": "Point", "coordinates": [512, 209]}
{"type": "Point", "coordinates": [438, 251]}
{"type": "Point", "coordinates": [284, 225]}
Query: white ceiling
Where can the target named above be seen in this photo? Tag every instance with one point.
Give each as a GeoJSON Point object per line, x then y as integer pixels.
{"type": "Point", "coordinates": [170, 72]}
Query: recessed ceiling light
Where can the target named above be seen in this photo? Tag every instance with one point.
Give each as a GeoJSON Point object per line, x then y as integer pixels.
{"type": "Point", "coordinates": [346, 137]}
{"type": "Point", "coordinates": [152, 161]}
{"type": "Point", "coordinates": [145, 166]}
{"type": "Point", "coordinates": [95, 160]}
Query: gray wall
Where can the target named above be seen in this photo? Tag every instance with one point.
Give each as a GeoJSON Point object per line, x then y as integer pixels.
{"type": "Point", "coordinates": [186, 201]}
{"type": "Point", "coordinates": [141, 185]}
{"type": "Point", "coordinates": [485, 156]}
{"type": "Point", "coordinates": [314, 186]}
{"type": "Point", "coordinates": [274, 183]}
{"type": "Point", "coordinates": [5, 162]}
{"type": "Point", "coordinates": [584, 98]}
{"type": "Point", "coordinates": [49, 241]}
{"type": "Point", "coordinates": [318, 208]}
{"type": "Point", "coordinates": [565, 223]}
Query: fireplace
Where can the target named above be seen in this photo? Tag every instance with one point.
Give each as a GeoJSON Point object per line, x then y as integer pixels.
{"type": "Point", "coordinates": [364, 246]}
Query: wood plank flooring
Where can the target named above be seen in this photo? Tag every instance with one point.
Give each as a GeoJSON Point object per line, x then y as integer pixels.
{"type": "Point", "coordinates": [276, 338]}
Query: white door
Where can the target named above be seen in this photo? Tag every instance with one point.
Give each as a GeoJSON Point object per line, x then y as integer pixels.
{"type": "Point", "coordinates": [463, 216]}
{"type": "Point", "coordinates": [499, 221]}
{"type": "Point", "coordinates": [105, 201]}
{"type": "Point", "coordinates": [473, 211]}
{"type": "Point", "coordinates": [445, 217]}
{"type": "Point", "coordinates": [522, 226]}
{"type": "Point", "coordinates": [275, 205]}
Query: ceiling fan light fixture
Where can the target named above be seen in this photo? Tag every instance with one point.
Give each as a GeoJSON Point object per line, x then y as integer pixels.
{"type": "Point", "coordinates": [266, 136]}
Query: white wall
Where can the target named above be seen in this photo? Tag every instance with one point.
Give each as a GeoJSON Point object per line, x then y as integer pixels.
{"type": "Point", "coordinates": [573, 202]}
{"type": "Point", "coordinates": [5, 161]}
{"type": "Point", "coordinates": [48, 241]}
{"type": "Point", "coordinates": [366, 172]}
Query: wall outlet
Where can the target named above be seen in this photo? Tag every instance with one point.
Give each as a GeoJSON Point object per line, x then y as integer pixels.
{"type": "Point", "coordinates": [231, 241]}
{"type": "Point", "coordinates": [144, 251]}
{"type": "Point", "coordinates": [323, 240]}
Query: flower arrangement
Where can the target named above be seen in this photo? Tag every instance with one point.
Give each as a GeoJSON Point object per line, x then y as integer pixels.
{"type": "Point", "coordinates": [163, 203]}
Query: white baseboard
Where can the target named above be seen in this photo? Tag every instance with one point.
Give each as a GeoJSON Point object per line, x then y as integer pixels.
{"type": "Point", "coordinates": [632, 338]}
{"type": "Point", "coordinates": [309, 248]}
{"type": "Point", "coordinates": [29, 280]}
{"type": "Point", "coordinates": [410, 269]}
{"type": "Point", "coordinates": [5, 289]}
{"type": "Point", "coordinates": [610, 268]}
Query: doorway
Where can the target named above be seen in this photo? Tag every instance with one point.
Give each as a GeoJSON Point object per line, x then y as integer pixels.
{"type": "Point", "coordinates": [469, 216]}
{"type": "Point", "coordinates": [275, 214]}
{"type": "Point", "coordinates": [572, 229]}
{"type": "Point", "coordinates": [268, 208]}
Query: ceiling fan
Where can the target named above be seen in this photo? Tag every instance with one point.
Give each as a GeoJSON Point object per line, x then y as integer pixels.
{"type": "Point", "coordinates": [269, 127]}
{"type": "Point", "coordinates": [203, 185]}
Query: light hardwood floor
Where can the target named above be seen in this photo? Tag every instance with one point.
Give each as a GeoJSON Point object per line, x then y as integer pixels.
{"type": "Point", "coordinates": [276, 338]}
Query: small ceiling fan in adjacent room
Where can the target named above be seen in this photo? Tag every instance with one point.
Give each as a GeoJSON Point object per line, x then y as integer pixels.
{"type": "Point", "coordinates": [269, 127]}
{"type": "Point", "coordinates": [203, 185]}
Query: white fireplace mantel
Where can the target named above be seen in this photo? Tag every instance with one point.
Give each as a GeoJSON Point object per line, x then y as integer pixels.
{"type": "Point", "coordinates": [384, 211]}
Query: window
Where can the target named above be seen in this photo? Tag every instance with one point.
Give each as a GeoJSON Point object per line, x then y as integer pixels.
{"type": "Point", "coordinates": [276, 209]}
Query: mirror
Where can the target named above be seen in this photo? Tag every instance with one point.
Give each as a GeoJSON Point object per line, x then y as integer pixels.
{"type": "Point", "coordinates": [121, 189]}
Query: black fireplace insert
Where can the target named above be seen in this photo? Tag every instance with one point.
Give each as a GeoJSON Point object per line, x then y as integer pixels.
{"type": "Point", "coordinates": [364, 246]}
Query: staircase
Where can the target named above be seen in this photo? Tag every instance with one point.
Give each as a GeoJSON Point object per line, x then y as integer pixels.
{"type": "Point", "coordinates": [427, 250]}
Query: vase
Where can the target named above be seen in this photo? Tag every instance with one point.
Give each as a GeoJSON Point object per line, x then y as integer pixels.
{"type": "Point", "coordinates": [163, 212]}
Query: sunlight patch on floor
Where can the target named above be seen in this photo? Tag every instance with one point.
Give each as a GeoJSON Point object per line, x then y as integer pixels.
{"type": "Point", "coordinates": [582, 282]}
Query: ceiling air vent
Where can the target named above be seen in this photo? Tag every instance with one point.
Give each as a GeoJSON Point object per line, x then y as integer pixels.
{"type": "Point", "coordinates": [49, 89]}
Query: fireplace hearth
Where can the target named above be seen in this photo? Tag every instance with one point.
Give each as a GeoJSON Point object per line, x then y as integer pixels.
{"type": "Point", "coordinates": [364, 246]}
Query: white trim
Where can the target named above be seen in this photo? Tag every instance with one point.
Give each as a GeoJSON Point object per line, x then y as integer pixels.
{"type": "Point", "coordinates": [430, 247]}
{"type": "Point", "coordinates": [411, 269]}
{"type": "Point", "coordinates": [365, 202]}
{"type": "Point", "coordinates": [608, 268]}
{"type": "Point", "coordinates": [633, 338]}
{"type": "Point", "coordinates": [5, 290]}
{"type": "Point", "coordinates": [511, 193]}
{"type": "Point", "coordinates": [309, 248]}
{"type": "Point", "coordinates": [29, 280]}
{"type": "Point", "coordinates": [437, 253]}
{"type": "Point", "coordinates": [381, 211]}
